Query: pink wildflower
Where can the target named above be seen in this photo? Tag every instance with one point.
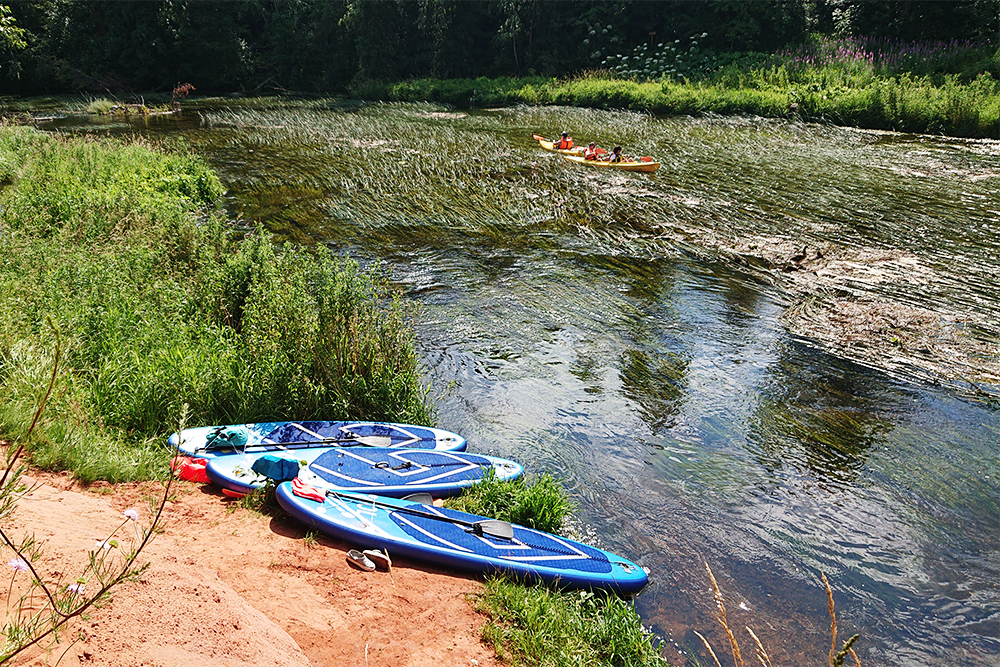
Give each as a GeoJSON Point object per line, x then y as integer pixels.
{"type": "Point", "coordinates": [132, 514]}
{"type": "Point", "coordinates": [19, 564]}
{"type": "Point", "coordinates": [76, 588]}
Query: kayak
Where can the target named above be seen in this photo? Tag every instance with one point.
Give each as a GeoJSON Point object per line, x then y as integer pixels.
{"type": "Point", "coordinates": [380, 470]}
{"type": "Point", "coordinates": [550, 146]}
{"type": "Point", "coordinates": [211, 441]}
{"type": "Point", "coordinates": [624, 166]}
{"type": "Point", "coordinates": [453, 539]}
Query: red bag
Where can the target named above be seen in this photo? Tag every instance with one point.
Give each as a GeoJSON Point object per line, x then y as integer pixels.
{"type": "Point", "coordinates": [190, 469]}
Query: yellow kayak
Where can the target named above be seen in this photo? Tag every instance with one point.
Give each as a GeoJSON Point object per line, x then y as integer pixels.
{"type": "Point", "coordinates": [624, 166]}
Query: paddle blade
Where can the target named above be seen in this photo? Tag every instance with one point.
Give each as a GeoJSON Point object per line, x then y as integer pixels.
{"type": "Point", "coordinates": [601, 151]}
{"type": "Point", "coordinates": [375, 441]}
{"type": "Point", "coordinates": [423, 498]}
{"type": "Point", "coordinates": [494, 528]}
{"type": "Point", "coordinates": [537, 137]}
{"type": "Point", "coordinates": [646, 159]}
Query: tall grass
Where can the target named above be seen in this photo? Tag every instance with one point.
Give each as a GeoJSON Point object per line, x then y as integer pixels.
{"type": "Point", "coordinates": [541, 504]}
{"type": "Point", "coordinates": [946, 88]}
{"type": "Point", "coordinates": [160, 303]}
{"type": "Point", "coordinates": [536, 625]}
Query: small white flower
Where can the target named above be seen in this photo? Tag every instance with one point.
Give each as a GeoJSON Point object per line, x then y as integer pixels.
{"type": "Point", "coordinates": [76, 588]}
{"type": "Point", "coordinates": [132, 514]}
{"type": "Point", "coordinates": [19, 564]}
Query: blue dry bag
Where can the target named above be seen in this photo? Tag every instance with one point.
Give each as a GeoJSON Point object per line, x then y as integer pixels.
{"type": "Point", "coordinates": [276, 468]}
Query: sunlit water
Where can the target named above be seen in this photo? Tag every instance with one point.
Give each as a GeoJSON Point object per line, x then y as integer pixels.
{"type": "Point", "coordinates": [575, 320]}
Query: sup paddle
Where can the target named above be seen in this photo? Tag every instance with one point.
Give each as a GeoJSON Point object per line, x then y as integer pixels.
{"type": "Point", "coordinates": [491, 527]}
{"type": "Point", "coordinates": [363, 441]}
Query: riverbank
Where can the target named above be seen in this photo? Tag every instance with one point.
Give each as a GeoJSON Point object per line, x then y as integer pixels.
{"type": "Point", "coordinates": [229, 586]}
{"type": "Point", "coordinates": [903, 104]}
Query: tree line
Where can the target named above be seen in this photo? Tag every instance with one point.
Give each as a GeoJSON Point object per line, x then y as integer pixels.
{"type": "Point", "coordinates": [325, 46]}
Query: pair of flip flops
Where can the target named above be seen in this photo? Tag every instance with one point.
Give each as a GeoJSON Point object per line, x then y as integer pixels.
{"type": "Point", "coordinates": [369, 560]}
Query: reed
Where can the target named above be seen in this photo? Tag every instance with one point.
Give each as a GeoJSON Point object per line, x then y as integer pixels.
{"type": "Point", "coordinates": [835, 658]}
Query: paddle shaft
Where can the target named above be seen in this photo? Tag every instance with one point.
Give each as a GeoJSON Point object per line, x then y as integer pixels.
{"type": "Point", "coordinates": [478, 526]}
{"type": "Point", "coordinates": [300, 444]}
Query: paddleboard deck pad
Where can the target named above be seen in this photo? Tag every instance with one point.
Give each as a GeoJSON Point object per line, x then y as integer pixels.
{"type": "Point", "coordinates": [383, 471]}
{"type": "Point", "coordinates": [211, 441]}
{"type": "Point", "coordinates": [451, 539]}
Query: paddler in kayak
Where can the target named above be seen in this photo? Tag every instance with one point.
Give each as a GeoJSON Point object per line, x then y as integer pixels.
{"type": "Point", "coordinates": [591, 152]}
{"type": "Point", "coordinates": [564, 143]}
{"type": "Point", "coordinates": [616, 155]}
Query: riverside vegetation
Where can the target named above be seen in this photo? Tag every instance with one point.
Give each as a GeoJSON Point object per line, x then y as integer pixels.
{"type": "Point", "coordinates": [944, 88]}
{"type": "Point", "coordinates": [159, 302]}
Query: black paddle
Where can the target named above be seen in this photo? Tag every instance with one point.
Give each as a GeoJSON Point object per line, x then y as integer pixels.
{"type": "Point", "coordinates": [362, 441]}
{"type": "Point", "coordinates": [491, 527]}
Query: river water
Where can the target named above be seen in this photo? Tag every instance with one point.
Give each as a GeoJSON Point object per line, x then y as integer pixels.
{"type": "Point", "coordinates": [630, 334]}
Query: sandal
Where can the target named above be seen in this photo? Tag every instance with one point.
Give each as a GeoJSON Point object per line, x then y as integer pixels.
{"type": "Point", "coordinates": [360, 560]}
{"type": "Point", "coordinates": [379, 558]}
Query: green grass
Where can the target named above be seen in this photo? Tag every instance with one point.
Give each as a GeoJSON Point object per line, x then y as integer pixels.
{"type": "Point", "coordinates": [542, 505]}
{"type": "Point", "coordinates": [541, 625]}
{"type": "Point", "coordinates": [941, 104]}
{"type": "Point", "coordinates": [116, 248]}
{"type": "Point", "coordinates": [100, 105]}
{"type": "Point", "coordinates": [536, 625]}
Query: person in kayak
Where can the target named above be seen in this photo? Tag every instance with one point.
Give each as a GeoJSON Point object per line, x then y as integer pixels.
{"type": "Point", "coordinates": [566, 142]}
{"type": "Point", "coordinates": [590, 152]}
{"type": "Point", "coordinates": [615, 155]}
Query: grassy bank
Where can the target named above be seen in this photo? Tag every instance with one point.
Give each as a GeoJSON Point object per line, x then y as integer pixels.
{"type": "Point", "coordinates": [535, 624]}
{"type": "Point", "coordinates": [945, 89]}
{"type": "Point", "coordinates": [116, 250]}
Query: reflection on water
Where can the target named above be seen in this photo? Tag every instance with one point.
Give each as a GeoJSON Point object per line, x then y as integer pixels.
{"type": "Point", "coordinates": [587, 324]}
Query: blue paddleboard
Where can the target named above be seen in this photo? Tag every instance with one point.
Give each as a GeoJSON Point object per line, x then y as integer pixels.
{"type": "Point", "coordinates": [379, 470]}
{"type": "Point", "coordinates": [462, 541]}
{"type": "Point", "coordinates": [211, 441]}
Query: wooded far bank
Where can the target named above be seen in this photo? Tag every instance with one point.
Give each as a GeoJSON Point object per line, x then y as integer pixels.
{"type": "Point", "coordinates": [304, 46]}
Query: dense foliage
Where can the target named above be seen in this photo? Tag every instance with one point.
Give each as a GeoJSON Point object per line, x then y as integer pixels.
{"type": "Point", "coordinates": [158, 303]}
{"type": "Point", "coordinates": [312, 45]}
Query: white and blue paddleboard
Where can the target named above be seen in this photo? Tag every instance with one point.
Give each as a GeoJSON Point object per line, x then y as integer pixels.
{"type": "Point", "coordinates": [379, 470]}
{"type": "Point", "coordinates": [462, 541]}
{"type": "Point", "coordinates": [210, 441]}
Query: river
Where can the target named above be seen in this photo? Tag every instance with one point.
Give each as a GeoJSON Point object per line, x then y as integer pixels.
{"type": "Point", "coordinates": [652, 342]}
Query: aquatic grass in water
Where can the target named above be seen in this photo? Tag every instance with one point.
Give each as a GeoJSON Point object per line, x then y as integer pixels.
{"type": "Point", "coordinates": [401, 173]}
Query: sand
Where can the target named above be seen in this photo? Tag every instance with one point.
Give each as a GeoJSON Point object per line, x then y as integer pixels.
{"type": "Point", "coordinates": [229, 586]}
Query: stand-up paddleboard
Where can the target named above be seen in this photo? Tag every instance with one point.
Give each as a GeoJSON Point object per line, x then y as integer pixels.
{"type": "Point", "coordinates": [459, 540]}
{"type": "Point", "coordinates": [211, 441]}
{"type": "Point", "coordinates": [378, 470]}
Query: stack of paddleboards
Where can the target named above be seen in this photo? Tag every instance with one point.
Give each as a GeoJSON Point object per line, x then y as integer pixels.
{"type": "Point", "coordinates": [372, 484]}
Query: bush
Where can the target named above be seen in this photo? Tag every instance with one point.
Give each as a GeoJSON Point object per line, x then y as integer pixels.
{"type": "Point", "coordinates": [161, 304]}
